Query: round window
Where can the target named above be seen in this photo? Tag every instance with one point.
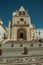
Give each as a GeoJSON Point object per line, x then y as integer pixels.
{"type": "Point", "coordinates": [21, 19]}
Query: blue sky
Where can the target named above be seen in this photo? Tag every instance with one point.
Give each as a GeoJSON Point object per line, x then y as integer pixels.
{"type": "Point", "coordinates": [34, 7]}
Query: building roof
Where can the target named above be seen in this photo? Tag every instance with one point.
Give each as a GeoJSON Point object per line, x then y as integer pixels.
{"type": "Point", "coordinates": [21, 8]}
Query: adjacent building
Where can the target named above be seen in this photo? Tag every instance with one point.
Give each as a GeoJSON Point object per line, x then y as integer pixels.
{"type": "Point", "coordinates": [3, 31]}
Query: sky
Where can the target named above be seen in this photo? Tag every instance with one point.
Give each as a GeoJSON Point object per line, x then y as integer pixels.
{"type": "Point", "coordinates": [34, 7]}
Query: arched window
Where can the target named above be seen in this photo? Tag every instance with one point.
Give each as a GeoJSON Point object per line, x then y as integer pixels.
{"type": "Point", "coordinates": [18, 22]}
{"type": "Point", "coordinates": [19, 12]}
{"type": "Point", "coordinates": [23, 12]}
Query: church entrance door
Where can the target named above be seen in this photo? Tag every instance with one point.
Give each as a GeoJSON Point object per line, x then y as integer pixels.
{"type": "Point", "coordinates": [21, 34]}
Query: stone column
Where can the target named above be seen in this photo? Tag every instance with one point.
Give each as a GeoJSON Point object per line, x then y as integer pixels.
{"type": "Point", "coordinates": [9, 29]}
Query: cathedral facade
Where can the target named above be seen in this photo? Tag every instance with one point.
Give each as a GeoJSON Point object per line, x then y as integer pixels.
{"type": "Point", "coordinates": [21, 28]}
